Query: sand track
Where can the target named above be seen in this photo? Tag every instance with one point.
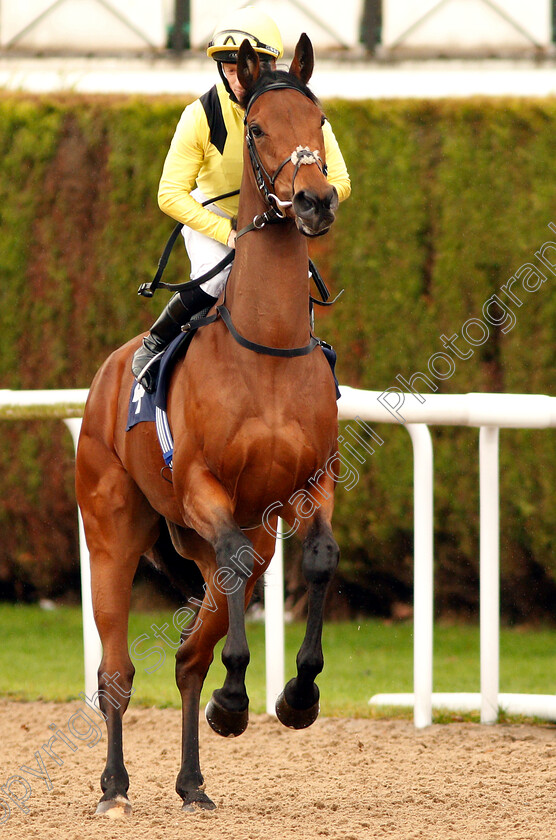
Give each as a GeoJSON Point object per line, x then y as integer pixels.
{"type": "Point", "coordinates": [343, 779]}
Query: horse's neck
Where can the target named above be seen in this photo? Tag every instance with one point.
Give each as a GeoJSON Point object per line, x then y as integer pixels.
{"type": "Point", "coordinates": [268, 290]}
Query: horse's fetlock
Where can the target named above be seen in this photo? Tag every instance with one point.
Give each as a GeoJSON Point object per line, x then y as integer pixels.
{"type": "Point", "coordinates": [187, 782]}
{"type": "Point", "coordinates": [236, 661]}
{"type": "Point", "coordinates": [115, 781]}
{"type": "Point", "coordinates": [309, 666]}
{"type": "Point", "coordinates": [232, 699]}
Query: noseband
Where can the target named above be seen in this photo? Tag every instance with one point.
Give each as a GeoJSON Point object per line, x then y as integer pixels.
{"type": "Point", "coordinates": [265, 181]}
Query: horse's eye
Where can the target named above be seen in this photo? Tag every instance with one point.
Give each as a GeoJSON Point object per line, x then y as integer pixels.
{"type": "Point", "coordinates": [256, 130]}
{"type": "Point", "coordinates": [322, 120]}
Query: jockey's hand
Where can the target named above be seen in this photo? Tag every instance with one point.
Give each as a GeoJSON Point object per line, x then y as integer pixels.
{"type": "Point", "coordinates": [232, 239]}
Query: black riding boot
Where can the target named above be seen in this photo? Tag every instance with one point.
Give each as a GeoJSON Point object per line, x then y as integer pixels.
{"type": "Point", "coordinates": [178, 311]}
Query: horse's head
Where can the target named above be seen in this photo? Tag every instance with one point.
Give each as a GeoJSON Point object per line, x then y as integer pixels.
{"type": "Point", "coordinates": [284, 135]}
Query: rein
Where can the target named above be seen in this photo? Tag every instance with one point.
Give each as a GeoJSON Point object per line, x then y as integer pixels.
{"type": "Point", "coordinates": [148, 289]}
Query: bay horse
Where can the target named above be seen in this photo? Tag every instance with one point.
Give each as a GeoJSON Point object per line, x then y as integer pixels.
{"type": "Point", "coordinates": [253, 433]}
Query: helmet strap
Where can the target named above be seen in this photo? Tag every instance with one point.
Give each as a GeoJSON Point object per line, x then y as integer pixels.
{"type": "Point", "coordinates": [229, 91]}
{"type": "Point", "coordinates": [266, 65]}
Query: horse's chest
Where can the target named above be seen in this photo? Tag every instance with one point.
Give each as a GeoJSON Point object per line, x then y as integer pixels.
{"type": "Point", "coordinates": [260, 460]}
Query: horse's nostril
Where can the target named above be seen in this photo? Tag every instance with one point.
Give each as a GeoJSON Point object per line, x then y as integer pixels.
{"type": "Point", "coordinates": [308, 204]}
{"type": "Point", "coordinates": [315, 213]}
{"type": "Point", "coordinates": [304, 203]}
{"type": "Point", "coordinates": [331, 201]}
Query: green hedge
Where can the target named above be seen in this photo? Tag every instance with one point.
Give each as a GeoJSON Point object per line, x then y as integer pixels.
{"type": "Point", "coordinates": [450, 199]}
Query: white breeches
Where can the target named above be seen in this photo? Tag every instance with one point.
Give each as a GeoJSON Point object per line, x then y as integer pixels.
{"type": "Point", "coordinates": [204, 253]}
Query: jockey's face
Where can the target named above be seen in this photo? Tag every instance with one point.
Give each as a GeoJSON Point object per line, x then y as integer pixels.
{"type": "Point", "coordinates": [230, 71]}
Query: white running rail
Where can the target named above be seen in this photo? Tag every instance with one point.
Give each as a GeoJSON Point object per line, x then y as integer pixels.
{"type": "Point", "coordinates": [489, 413]}
{"type": "Point", "coordinates": [67, 405]}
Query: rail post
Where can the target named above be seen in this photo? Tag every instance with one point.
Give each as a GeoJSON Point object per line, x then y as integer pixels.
{"type": "Point", "coordinates": [92, 648]}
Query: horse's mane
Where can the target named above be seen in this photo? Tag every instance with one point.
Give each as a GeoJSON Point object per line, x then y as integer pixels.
{"type": "Point", "coordinates": [270, 77]}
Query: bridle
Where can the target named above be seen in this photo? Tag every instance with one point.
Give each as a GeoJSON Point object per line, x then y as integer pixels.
{"type": "Point", "coordinates": [265, 181]}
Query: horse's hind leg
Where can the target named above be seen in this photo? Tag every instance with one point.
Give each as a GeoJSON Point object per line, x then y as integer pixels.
{"type": "Point", "coordinates": [120, 526]}
{"type": "Point", "coordinates": [298, 705]}
{"type": "Point", "coordinates": [192, 663]}
{"type": "Point", "coordinates": [227, 712]}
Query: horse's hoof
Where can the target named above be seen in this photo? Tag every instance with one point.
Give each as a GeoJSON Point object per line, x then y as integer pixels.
{"type": "Point", "coordinates": [114, 809]}
{"type": "Point", "coordinates": [226, 723]}
{"type": "Point", "coordinates": [296, 718]}
{"type": "Point", "coordinates": [198, 800]}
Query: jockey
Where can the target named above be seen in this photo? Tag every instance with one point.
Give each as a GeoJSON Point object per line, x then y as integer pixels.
{"type": "Point", "coordinates": [205, 159]}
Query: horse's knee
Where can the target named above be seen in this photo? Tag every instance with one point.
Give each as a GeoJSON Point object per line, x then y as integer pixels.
{"type": "Point", "coordinates": [320, 557]}
{"type": "Point", "coordinates": [235, 560]}
{"type": "Point", "coordinates": [192, 662]}
{"type": "Point", "coordinates": [235, 552]}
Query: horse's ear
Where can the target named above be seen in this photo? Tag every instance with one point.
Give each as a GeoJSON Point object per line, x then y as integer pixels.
{"type": "Point", "coordinates": [303, 60]}
{"type": "Point", "coordinates": [248, 66]}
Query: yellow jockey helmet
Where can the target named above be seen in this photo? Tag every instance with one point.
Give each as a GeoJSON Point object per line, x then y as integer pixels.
{"type": "Point", "coordinates": [250, 23]}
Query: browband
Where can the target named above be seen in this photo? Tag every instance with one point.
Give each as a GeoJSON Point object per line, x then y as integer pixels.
{"type": "Point", "coordinates": [278, 85]}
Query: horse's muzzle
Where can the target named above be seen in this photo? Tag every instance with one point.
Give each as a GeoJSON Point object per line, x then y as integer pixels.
{"type": "Point", "coordinates": [314, 214]}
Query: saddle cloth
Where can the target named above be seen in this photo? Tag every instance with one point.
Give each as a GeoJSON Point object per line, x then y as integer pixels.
{"type": "Point", "coordinates": [145, 407]}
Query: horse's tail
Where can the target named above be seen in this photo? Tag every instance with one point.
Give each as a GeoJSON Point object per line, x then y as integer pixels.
{"type": "Point", "coordinates": [183, 574]}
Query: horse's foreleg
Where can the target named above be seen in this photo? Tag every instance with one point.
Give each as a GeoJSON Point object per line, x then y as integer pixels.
{"type": "Point", "coordinates": [210, 513]}
{"type": "Point", "coordinates": [228, 710]}
{"type": "Point", "coordinates": [298, 705]}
